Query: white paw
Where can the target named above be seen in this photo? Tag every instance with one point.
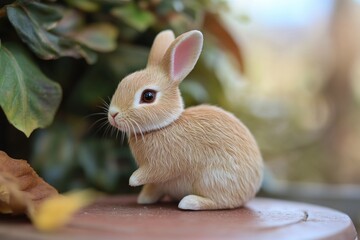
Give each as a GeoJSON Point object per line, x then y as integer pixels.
{"type": "Point", "coordinates": [190, 202]}
{"type": "Point", "coordinates": [134, 181]}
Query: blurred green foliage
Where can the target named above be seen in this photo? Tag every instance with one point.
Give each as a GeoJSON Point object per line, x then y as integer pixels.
{"type": "Point", "coordinates": [86, 47]}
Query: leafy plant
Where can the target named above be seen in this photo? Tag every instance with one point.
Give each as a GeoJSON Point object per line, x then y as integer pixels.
{"type": "Point", "coordinates": [62, 58]}
{"type": "Point", "coordinates": [42, 27]}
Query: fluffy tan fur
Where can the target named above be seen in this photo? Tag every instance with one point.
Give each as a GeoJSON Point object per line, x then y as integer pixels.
{"type": "Point", "coordinates": [203, 156]}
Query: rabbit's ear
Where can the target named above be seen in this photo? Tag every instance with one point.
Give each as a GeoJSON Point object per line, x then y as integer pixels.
{"type": "Point", "coordinates": [182, 55]}
{"type": "Point", "coordinates": [161, 44]}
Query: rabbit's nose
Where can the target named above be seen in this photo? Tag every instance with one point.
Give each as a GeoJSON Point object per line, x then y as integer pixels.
{"type": "Point", "coordinates": [113, 112]}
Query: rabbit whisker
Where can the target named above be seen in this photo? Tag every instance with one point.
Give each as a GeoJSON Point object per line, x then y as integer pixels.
{"type": "Point", "coordinates": [102, 125]}
{"type": "Point", "coordinates": [117, 134]}
{"type": "Point", "coordinates": [137, 125]}
{"type": "Point", "coordinates": [105, 108]}
{"type": "Point", "coordinates": [98, 121]}
{"type": "Point", "coordinates": [95, 114]}
{"type": "Point", "coordinates": [127, 128]}
{"type": "Point", "coordinates": [105, 102]}
{"type": "Point", "coordinates": [108, 126]}
{"type": "Point", "coordinates": [122, 137]}
{"type": "Point", "coordinates": [133, 128]}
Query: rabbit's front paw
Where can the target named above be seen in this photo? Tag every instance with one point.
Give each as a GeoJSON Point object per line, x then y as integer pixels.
{"type": "Point", "coordinates": [134, 180]}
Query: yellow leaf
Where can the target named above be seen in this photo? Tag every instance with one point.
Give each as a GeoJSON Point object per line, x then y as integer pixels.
{"type": "Point", "coordinates": [57, 211]}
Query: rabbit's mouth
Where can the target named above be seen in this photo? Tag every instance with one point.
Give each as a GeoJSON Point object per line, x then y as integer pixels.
{"type": "Point", "coordinates": [113, 122]}
{"type": "Point", "coordinates": [119, 124]}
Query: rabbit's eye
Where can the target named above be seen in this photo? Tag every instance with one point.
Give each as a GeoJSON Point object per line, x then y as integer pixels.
{"type": "Point", "coordinates": [148, 96]}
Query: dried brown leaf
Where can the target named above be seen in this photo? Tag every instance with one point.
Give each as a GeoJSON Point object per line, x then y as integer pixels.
{"type": "Point", "coordinates": [21, 189]}
{"type": "Point", "coordinates": [214, 25]}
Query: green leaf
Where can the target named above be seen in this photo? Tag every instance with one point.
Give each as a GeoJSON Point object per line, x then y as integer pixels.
{"type": "Point", "coordinates": [47, 16]}
{"type": "Point", "coordinates": [126, 59]}
{"type": "Point", "coordinates": [99, 36]}
{"type": "Point", "coordinates": [43, 43]}
{"type": "Point", "coordinates": [89, 55]}
{"type": "Point", "coordinates": [134, 16]}
{"type": "Point", "coordinates": [71, 21]}
{"type": "Point", "coordinates": [113, 2]}
{"type": "Point", "coordinates": [32, 29]}
{"type": "Point", "coordinates": [85, 5]}
{"type": "Point", "coordinates": [28, 98]}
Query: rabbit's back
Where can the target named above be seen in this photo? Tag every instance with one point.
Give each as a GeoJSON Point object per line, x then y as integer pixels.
{"type": "Point", "coordinates": [209, 128]}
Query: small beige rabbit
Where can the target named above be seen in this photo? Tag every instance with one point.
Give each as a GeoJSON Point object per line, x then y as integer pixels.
{"type": "Point", "coordinates": [203, 156]}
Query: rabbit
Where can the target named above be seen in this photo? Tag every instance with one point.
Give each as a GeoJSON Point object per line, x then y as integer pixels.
{"type": "Point", "coordinates": [201, 156]}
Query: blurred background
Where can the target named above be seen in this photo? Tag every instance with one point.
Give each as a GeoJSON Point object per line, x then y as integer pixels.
{"type": "Point", "coordinates": [290, 70]}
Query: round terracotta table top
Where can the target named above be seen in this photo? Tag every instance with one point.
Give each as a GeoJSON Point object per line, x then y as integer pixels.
{"type": "Point", "coordinates": [122, 218]}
